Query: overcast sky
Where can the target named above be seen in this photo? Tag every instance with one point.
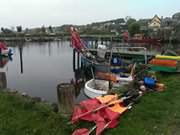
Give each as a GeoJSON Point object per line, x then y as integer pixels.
{"type": "Point", "coordinates": [34, 13]}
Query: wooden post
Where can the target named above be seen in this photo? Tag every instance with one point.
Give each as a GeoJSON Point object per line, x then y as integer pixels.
{"type": "Point", "coordinates": [66, 98]}
{"type": "Point", "coordinates": [78, 60]}
{"type": "Point", "coordinates": [21, 59]}
{"type": "Point", "coordinates": [74, 59]}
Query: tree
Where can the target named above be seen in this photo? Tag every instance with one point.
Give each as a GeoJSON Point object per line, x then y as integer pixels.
{"type": "Point", "coordinates": [43, 29]}
{"type": "Point", "coordinates": [19, 28]}
{"type": "Point", "coordinates": [50, 29]}
{"type": "Point", "coordinates": [130, 21]}
{"type": "Point", "coordinates": [6, 30]}
{"type": "Point", "coordinates": [134, 28]}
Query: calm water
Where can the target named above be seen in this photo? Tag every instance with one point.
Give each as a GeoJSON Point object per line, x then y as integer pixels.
{"type": "Point", "coordinates": [43, 67]}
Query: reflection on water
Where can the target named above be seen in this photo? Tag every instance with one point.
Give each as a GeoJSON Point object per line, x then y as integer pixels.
{"type": "Point", "coordinates": [3, 81]}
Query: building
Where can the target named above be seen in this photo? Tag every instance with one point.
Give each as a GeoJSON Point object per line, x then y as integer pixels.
{"type": "Point", "coordinates": [155, 22]}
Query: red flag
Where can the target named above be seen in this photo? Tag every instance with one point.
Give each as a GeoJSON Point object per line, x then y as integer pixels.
{"type": "Point", "coordinates": [81, 131]}
{"type": "Point", "coordinates": [86, 106]}
{"type": "Point", "coordinates": [76, 40]}
{"type": "Point", "coordinates": [104, 116]}
{"type": "Point", "coordinates": [90, 104]}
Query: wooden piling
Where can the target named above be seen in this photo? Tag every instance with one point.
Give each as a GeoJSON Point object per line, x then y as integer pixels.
{"type": "Point", "coordinates": [66, 98]}
{"type": "Point", "coordinates": [78, 60]}
{"type": "Point", "coordinates": [74, 59]}
{"type": "Point", "coordinates": [21, 59]}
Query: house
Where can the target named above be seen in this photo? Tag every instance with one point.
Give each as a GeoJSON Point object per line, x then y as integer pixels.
{"type": "Point", "coordinates": [155, 22]}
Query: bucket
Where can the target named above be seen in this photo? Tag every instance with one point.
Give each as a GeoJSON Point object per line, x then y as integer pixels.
{"type": "Point", "coordinates": [149, 82]}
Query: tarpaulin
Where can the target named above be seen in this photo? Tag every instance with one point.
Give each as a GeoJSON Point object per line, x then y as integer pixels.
{"type": "Point", "coordinates": [81, 131]}
{"type": "Point", "coordinates": [104, 117]}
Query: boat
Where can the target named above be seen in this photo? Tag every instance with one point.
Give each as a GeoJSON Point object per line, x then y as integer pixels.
{"type": "Point", "coordinates": [164, 62]}
{"type": "Point", "coordinates": [4, 50]}
{"type": "Point", "coordinates": [163, 68]}
{"type": "Point", "coordinates": [139, 38]}
{"type": "Point", "coordinates": [168, 57]}
{"type": "Point", "coordinates": [95, 87]}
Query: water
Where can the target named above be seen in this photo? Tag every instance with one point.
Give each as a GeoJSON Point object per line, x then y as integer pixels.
{"type": "Point", "coordinates": [37, 68]}
{"type": "Point", "coordinates": [43, 67]}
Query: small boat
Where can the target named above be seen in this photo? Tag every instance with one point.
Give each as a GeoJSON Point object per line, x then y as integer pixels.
{"type": "Point", "coordinates": [168, 57]}
{"type": "Point", "coordinates": [139, 38]}
{"type": "Point", "coordinates": [95, 87]}
{"type": "Point", "coordinates": [164, 62]}
{"type": "Point", "coordinates": [163, 68]}
{"type": "Point", "coordinates": [4, 50]}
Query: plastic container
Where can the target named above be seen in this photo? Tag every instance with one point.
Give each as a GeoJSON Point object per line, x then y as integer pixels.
{"type": "Point", "coordinates": [149, 82]}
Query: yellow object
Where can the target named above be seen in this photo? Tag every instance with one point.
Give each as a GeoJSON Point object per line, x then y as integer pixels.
{"type": "Point", "coordinates": [168, 57]}
{"type": "Point", "coordinates": [118, 108]}
{"type": "Point", "coordinates": [114, 103]}
{"type": "Point", "coordinates": [107, 98]}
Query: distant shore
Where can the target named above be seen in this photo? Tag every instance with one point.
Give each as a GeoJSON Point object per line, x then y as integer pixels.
{"type": "Point", "coordinates": [60, 37]}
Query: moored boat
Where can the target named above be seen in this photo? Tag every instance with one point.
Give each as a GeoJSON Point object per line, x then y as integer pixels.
{"type": "Point", "coordinates": [139, 38]}
{"type": "Point", "coordinates": [163, 62]}
{"type": "Point", "coordinates": [168, 57]}
{"type": "Point", "coordinates": [4, 50]}
{"type": "Point", "coordinates": [163, 68]}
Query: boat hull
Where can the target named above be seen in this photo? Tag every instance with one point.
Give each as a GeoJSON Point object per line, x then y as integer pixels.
{"type": "Point", "coordinates": [168, 57]}
{"type": "Point", "coordinates": [163, 68]}
{"type": "Point", "coordinates": [163, 62]}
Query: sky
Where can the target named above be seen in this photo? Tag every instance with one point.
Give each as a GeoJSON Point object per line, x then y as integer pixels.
{"type": "Point", "coordinates": [35, 13]}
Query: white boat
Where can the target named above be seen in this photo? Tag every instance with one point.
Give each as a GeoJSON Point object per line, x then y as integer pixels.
{"type": "Point", "coordinates": [94, 88]}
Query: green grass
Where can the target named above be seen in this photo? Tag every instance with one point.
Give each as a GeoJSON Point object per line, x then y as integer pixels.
{"type": "Point", "coordinates": [158, 113]}
{"type": "Point", "coordinates": [20, 116]}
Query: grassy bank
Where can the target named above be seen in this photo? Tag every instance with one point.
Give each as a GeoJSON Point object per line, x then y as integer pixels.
{"type": "Point", "coordinates": [22, 116]}
{"type": "Point", "coordinates": [157, 113]}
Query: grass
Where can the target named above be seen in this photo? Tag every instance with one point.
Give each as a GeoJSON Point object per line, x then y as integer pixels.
{"type": "Point", "coordinates": [20, 116]}
{"type": "Point", "coordinates": [158, 113]}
